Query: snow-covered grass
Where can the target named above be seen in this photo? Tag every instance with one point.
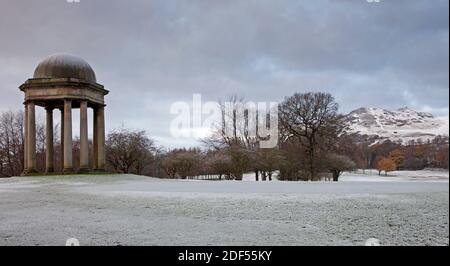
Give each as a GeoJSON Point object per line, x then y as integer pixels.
{"type": "Point", "coordinates": [371, 175]}
{"type": "Point", "coordinates": [137, 210]}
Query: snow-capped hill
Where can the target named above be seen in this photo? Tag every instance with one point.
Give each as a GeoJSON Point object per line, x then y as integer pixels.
{"type": "Point", "coordinates": [404, 124]}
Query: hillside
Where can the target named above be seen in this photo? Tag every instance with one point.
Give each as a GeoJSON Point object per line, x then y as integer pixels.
{"type": "Point", "coordinates": [404, 124]}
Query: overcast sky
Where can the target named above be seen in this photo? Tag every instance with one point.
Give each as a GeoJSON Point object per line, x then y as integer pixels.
{"type": "Point", "coordinates": [150, 54]}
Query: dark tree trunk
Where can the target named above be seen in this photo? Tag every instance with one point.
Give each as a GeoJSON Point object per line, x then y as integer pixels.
{"type": "Point", "coordinates": [336, 175]}
{"type": "Point", "coordinates": [311, 157]}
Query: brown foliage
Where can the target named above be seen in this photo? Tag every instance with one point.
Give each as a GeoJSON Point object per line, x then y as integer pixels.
{"type": "Point", "coordinates": [398, 157]}
{"type": "Point", "coordinates": [386, 165]}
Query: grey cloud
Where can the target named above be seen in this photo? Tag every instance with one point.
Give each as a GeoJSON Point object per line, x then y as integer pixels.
{"type": "Point", "coordinates": [153, 53]}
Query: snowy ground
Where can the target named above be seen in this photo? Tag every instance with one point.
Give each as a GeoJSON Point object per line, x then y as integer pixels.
{"type": "Point", "coordinates": [405, 208]}
{"type": "Point", "coordinates": [421, 176]}
{"type": "Point", "coordinates": [372, 175]}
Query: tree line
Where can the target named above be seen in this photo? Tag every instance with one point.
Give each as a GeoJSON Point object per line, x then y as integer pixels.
{"type": "Point", "coordinates": [313, 144]}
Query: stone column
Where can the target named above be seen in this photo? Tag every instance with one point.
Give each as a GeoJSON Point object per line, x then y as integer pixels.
{"type": "Point", "coordinates": [25, 140]}
{"type": "Point", "coordinates": [61, 148]}
{"type": "Point", "coordinates": [101, 138]}
{"type": "Point", "coordinates": [84, 147]}
{"type": "Point", "coordinates": [68, 163]}
{"type": "Point", "coordinates": [31, 138]}
{"type": "Point", "coordinates": [49, 168]}
{"type": "Point", "coordinates": [94, 142]}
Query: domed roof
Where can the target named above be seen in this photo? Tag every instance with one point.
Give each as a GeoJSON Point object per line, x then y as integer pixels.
{"type": "Point", "coordinates": [65, 66]}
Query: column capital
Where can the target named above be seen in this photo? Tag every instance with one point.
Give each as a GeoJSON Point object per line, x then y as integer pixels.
{"type": "Point", "coordinates": [99, 106]}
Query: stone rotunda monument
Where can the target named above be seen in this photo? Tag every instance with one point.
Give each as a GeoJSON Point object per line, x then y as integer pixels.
{"type": "Point", "coordinates": [65, 82]}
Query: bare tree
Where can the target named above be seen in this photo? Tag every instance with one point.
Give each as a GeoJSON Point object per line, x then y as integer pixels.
{"type": "Point", "coordinates": [11, 143]}
{"type": "Point", "coordinates": [182, 163]}
{"type": "Point", "coordinates": [129, 151]}
{"type": "Point", "coordinates": [268, 161]}
{"type": "Point", "coordinates": [337, 164]}
{"type": "Point", "coordinates": [232, 130]}
{"type": "Point", "coordinates": [237, 135]}
{"type": "Point", "coordinates": [311, 119]}
{"type": "Point", "coordinates": [169, 166]}
{"type": "Point", "coordinates": [220, 164]}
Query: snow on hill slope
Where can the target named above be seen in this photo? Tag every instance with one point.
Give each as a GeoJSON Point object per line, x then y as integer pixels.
{"type": "Point", "coordinates": [403, 124]}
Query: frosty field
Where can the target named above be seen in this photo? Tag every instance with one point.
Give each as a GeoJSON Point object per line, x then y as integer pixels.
{"type": "Point", "coordinates": [408, 208]}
